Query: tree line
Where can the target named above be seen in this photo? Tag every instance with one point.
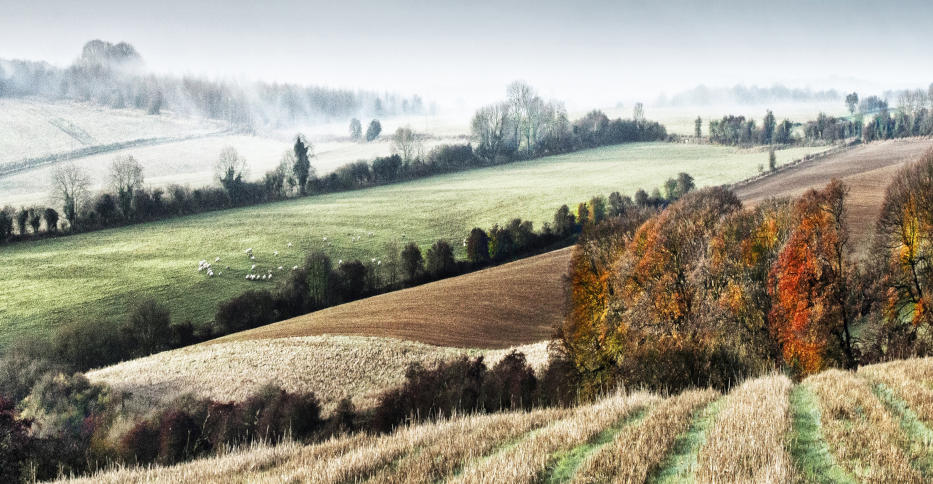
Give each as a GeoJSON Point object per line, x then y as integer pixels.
{"type": "Point", "coordinates": [708, 292]}
{"type": "Point", "coordinates": [112, 75]}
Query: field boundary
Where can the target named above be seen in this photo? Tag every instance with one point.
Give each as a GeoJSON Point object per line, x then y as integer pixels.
{"type": "Point", "coordinates": [27, 164]}
{"type": "Point", "coordinates": [793, 165]}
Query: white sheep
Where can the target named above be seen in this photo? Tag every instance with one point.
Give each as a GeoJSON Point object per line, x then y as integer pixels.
{"type": "Point", "coordinates": [340, 262]}
{"type": "Point", "coordinates": [280, 268]}
{"type": "Point", "coordinates": [294, 268]}
{"type": "Point", "coordinates": [324, 239]}
{"type": "Point", "coordinates": [216, 259]}
{"type": "Point", "coordinates": [289, 244]}
{"type": "Point", "coordinates": [252, 257]}
{"type": "Point", "coordinates": [253, 268]}
{"type": "Point", "coordinates": [275, 252]}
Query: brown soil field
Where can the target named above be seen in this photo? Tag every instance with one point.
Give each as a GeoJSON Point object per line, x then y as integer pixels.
{"type": "Point", "coordinates": [512, 304]}
{"type": "Point", "coordinates": [519, 303]}
{"type": "Point", "coordinates": [866, 169]}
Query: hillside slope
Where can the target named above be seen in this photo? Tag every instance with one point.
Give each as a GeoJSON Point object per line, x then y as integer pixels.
{"type": "Point", "coordinates": [511, 304]}
{"type": "Point", "coordinates": [836, 426]}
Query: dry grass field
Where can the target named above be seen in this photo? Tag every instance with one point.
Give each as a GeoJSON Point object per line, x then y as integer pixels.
{"type": "Point", "coordinates": [333, 367]}
{"type": "Point", "coordinates": [837, 426]}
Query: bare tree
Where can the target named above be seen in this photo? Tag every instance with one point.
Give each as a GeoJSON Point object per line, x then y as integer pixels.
{"type": "Point", "coordinates": [489, 127]}
{"type": "Point", "coordinates": [406, 144]}
{"type": "Point", "coordinates": [230, 165]}
{"type": "Point", "coordinates": [126, 176]}
{"type": "Point", "coordinates": [70, 187]}
{"type": "Point", "coordinates": [638, 112]}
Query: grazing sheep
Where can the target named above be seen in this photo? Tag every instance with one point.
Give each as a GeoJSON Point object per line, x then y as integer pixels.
{"type": "Point", "coordinates": [216, 259]}
{"type": "Point", "coordinates": [379, 263]}
{"type": "Point", "coordinates": [252, 258]}
{"type": "Point", "coordinates": [275, 252]}
{"type": "Point", "coordinates": [289, 244]}
{"type": "Point", "coordinates": [324, 239]}
{"type": "Point", "coordinates": [294, 268]}
{"type": "Point", "coordinates": [253, 268]}
{"type": "Point", "coordinates": [340, 262]}
{"type": "Point", "coordinates": [280, 268]}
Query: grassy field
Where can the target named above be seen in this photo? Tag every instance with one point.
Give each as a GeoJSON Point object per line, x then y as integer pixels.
{"type": "Point", "coordinates": [99, 275]}
{"type": "Point", "coordinates": [837, 426]}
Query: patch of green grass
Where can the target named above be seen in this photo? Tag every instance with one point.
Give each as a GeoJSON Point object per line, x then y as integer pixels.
{"type": "Point", "coordinates": [564, 464]}
{"type": "Point", "coordinates": [99, 275]}
{"type": "Point", "coordinates": [811, 454]}
{"type": "Point", "coordinates": [921, 437]}
{"type": "Point", "coordinates": [681, 465]}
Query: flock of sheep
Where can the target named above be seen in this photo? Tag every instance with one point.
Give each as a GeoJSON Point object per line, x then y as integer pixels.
{"type": "Point", "coordinates": [207, 267]}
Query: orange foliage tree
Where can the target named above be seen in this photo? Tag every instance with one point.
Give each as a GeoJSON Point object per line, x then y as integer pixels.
{"type": "Point", "coordinates": [808, 285]}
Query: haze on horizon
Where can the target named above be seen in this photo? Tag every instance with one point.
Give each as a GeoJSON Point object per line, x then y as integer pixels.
{"type": "Point", "coordinates": [591, 53]}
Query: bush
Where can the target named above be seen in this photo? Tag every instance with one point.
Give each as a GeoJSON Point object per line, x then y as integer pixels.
{"type": "Point", "coordinates": [140, 444]}
{"type": "Point", "coordinates": [510, 384]}
{"type": "Point", "coordinates": [149, 328]}
{"type": "Point", "coordinates": [478, 247]}
{"type": "Point", "coordinates": [273, 413]}
{"type": "Point", "coordinates": [15, 443]}
{"type": "Point", "coordinates": [88, 345]}
{"type": "Point", "coordinates": [179, 437]}
{"type": "Point", "coordinates": [248, 310]}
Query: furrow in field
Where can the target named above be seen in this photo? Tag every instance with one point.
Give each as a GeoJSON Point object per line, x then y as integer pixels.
{"type": "Point", "coordinates": [527, 461]}
{"type": "Point", "coordinates": [910, 380]}
{"type": "Point", "coordinates": [638, 450]}
{"type": "Point", "coordinates": [812, 458]}
{"type": "Point", "coordinates": [681, 465]}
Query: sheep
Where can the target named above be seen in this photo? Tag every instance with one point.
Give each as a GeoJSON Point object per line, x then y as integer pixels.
{"type": "Point", "coordinates": [216, 259]}
{"type": "Point", "coordinates": [289, 244]}
{"type": "Point", "coordinates": [379, 263]}
{"type": "Point", "coordinates": [373, 260]}
{"type": "Point", "coordinates": [294, 268]}
{"type": "Point", "coordinates": [252, 257]}
{"type": "Point", "coordinates": [275, 253]}
{"type": "Point", "coordinates": [253, 268]}
{"type": "Point", "coordinates": [280, 268]}
{"type": "Point", "coordinates": [324, 239]}
{"type": "Point", "coordinates": [339, 262]}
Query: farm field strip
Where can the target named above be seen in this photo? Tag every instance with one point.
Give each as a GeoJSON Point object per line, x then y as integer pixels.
{"type": "Point", "coordinates": [813, 460]}
{"type": "Point", "coordinates": [865, 438]}
{"type": "Point", "coordinates": [476, 438]}
{"type": "Point", "coordinates": [746, 443]}
{"type": "Point", "coordinates": [637, 452]}
{"type": "Point", "coordinates": [564, 464]}
{"type": "Point", "coordinates": [920, 437]}
{"type": "Point", "coordinates": [910, 382]}
{"type": "Point", "coordinates": [528, 460]}
{"type": "Point", "coordinates": [681, 464]}
{"type": "Point", "coordinates": [107, 271]}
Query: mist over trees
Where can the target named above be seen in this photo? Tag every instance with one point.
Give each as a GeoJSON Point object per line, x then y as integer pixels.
{"type": "Point", "coordinates": [741, 94]}
{"type": "Point", "coordinates": [113, 75]}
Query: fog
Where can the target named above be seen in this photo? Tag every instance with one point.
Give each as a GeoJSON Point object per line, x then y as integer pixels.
{"type": "Point", "coordinates": [590, 53]}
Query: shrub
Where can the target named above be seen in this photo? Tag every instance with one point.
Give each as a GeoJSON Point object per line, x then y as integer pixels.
{"type": "Point", "coordinates": [273, 413]}
{"type": "Point", "coordinates": [149, 327]}
{"type": "Point", "coordinates": [141, 443]}
{"type": "Point", "coordinates": [179, 437]}
{"type": "Point", "coordinates": [248, 310]}
{"type": "Point", "coordinates": [15, 443]}
{"type": "Point", "coordinates": [510, 384]}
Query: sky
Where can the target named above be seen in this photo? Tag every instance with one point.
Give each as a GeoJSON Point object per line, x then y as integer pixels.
{"type": "Point", "coordinates": [464, 53]}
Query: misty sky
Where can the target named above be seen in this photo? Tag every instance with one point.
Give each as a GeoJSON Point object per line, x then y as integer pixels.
{"type": "Point", "coordinates": [587, 53]}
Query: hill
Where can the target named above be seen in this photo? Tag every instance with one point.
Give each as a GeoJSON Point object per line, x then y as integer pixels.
{"type": "Point", "coordinates": [511, 304]}
{"type": "Point", "coordinates": [98, 276]}
{"type": "Point", "coordinates": [333, 367]}
{"type": "Point", "coordinates": [837, 426]}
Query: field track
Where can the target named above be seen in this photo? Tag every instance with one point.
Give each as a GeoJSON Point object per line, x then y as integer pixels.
{"type": "Point", "coordinates": [518, 303]}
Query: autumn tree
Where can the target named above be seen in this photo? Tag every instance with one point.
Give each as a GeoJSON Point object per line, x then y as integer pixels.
{"type": "Point", "coordinates": [904, 236]}
{"type": "Point", "coordinates": [808, 283]}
